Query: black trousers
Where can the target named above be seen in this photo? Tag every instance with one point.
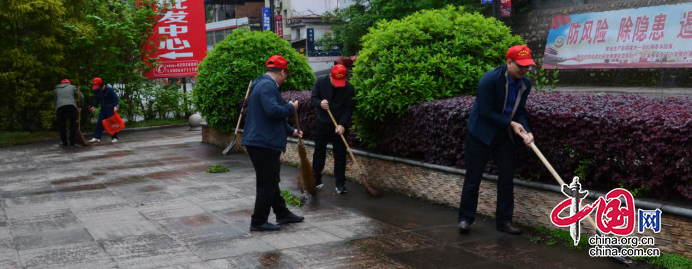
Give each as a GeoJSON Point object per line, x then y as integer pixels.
{"type": "Point", "coordinates": [267, 167]}
{"type": "Point", "coordinates": [324, 133]}
{"type": "Point", "coordinates": [65, 113]}
{"type": "Point", "coordinates": [501, 149]}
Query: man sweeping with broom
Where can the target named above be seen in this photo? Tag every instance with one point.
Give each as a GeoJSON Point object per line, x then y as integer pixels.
{"type": "Point", "coordinates": [265, 139]}
{"type": "Point", "coordinates": [66, 109]}
{"type": "Point", "coordinates": [332, 93]}
{"type": "Point", "coordinates": [498, 114]}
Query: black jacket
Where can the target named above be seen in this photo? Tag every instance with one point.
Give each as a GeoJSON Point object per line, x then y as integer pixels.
{"type": "Point", "coordinates": [340, 101]}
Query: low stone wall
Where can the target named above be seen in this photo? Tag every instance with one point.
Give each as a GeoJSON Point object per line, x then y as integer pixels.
{"type": "Point", "coordinates": [532, 206]}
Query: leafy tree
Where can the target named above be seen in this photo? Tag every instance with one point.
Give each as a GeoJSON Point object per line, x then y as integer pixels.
{"type": "Point", "coordinates": [430, 55]}
{"type": "Point", "coordinates": [224, 74]}
{"type": "Point", "coordinates": [351, 23]}
{"type": "Point", "coordinates": [47, 40]}
{"type": "Point", "coordinates": [30, 57]}
{"type": "Point", "coordinates": [111, 43]}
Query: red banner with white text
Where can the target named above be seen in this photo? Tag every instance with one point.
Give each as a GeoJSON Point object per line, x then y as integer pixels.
{"type": "Point", "coordinates": [180, 34]}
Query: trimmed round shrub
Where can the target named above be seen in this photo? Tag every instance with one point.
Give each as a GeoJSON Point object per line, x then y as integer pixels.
{"type": "Point", "coordinates": [430, 55]}
{"type": "Point", "coordinates": [225, 73]}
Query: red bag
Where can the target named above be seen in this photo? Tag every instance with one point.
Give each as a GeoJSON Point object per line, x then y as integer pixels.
{"type": "Point", "coordinates": [113, 124]}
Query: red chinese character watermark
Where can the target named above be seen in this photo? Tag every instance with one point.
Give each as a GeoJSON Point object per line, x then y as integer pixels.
{"type": "Point", "coordinates": [611, 217]}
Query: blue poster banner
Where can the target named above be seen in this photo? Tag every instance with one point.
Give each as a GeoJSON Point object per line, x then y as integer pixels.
{"type": "Point", "coordinates": [648, 37]}
{"type": "Point", "coordinates": [266, 21]}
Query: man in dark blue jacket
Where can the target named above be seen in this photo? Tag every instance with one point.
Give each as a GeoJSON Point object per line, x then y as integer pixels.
{"type": "Point", "coordinates": [104, 95]}
{"type": "Point", "coordinates": [264, 137]}
{"type": "Point", "coordinates": [498, 113]}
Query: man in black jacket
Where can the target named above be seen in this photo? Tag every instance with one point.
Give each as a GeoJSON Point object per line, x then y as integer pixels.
{"type": "Point", "coordinates": [332, 92]}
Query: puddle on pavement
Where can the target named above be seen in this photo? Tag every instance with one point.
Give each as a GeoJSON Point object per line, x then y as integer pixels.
{"type": "Point", "coordinates": [270, 260]}
{"type": "Point", "coordinates": [86, 187]}
{"type": "Point", "coordinates": [197, 168]}
{"type": "Point", "coordinates": [198, 220]}
{"type": "Point", "coordinates": [118, 153]}
{"type": "Point", "coordinates": [17, 194]}
{"type": "Point", "coordinates": [98, 174]}
{"type": "Point", "coordinates": [166, 174]}
{"type": "Point", "coordinates": [150, 188]}
{"type": "Point", "coordinates": [150, 148]}
{"type": "Point", "coordinates": [131, 166]}
{"type": "Point", "coordinates": [71, 180]}
{"type": "Point", "coordinates": [121, 181]}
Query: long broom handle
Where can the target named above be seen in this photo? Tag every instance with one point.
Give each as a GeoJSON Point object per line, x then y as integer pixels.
{"type": "Point", "coordinates": [247, 93]}
{"type": "Point", "coordinates": [557, 177]}
{"type": "Point", "coordinates": [346, 143]}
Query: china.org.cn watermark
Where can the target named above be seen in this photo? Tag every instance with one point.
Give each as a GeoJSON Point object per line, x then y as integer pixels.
{"type": "Point", "coordinates": [612, 217]}
{"type": "Point", "coordinates": [601, 246]}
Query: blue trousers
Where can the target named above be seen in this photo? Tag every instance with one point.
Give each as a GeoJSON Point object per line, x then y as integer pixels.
{"type": "Point", "coordinates": [501, 149]}
{"type": "Point", "coordinates": [99, 123]}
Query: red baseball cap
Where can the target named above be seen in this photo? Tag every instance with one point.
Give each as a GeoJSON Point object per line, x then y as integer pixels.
{"type": "Point", "coordinates": [277, 61]}
{"type": "Point", "coordinates": [65, 81]}
{"type": "Point", "coordinates": [96, 82]}
{"type": "Point", "coordinates": [338, 76]}
{"type": "Point", "coordinates": [520, 54]}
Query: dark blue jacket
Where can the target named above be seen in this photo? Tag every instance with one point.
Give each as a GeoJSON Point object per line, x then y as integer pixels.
{"type": "Point", "coordinates": [487, 116]}
{"type": "Point", "coordinates": [108, 100]}
{"type": "Point", "coordinates": [265, 125]}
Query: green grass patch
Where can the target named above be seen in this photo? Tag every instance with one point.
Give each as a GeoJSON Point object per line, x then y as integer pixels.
{"type": "Point", "coordinates": [670, 261]}
{"type": "Point", "coordinates": [291, 199]}
{"type": "Point", "coordinates": [553, 237]}
{"type": "Point", "coordinates": [296, 165]}
{"type": "Point", "coordinates": [217, 169]}
{"type": "Point", "coordinates": [565, 236]}
{"type": "Point", "coordinates": [155, 122]}
{"type": "Point", "coordinates": [534, 239]}
{"type": "Point", "coordinates": [8, 139]}
{"type": "Point", "coordinates": [541, 229]}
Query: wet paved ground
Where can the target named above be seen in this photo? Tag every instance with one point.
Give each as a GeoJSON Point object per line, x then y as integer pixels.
{"type": "Point", "coordinates": [146, 202]}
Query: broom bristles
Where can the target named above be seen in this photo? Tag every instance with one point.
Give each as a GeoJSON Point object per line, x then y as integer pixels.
{"type": "Point", "coordinates": [79, 137]}
{"type": "Point", "coordinates": [306, 177]}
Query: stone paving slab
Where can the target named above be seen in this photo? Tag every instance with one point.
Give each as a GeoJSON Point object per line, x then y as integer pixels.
{"type": "Point", "coordinates": [146, 202]}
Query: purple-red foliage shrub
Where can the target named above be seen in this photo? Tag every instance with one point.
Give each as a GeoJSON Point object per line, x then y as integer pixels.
{"type": "Point", "coordinates": [636, 142]}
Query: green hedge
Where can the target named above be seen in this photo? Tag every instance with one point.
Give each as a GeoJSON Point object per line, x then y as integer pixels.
{"type": "Point", "coordinates": [430, 55]}
{"type": "Point", "coordinates": [225, 73]}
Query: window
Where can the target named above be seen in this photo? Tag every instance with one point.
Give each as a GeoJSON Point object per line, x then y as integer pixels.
{"type": "Point", "coordinates": [219, 36]}
{"type": "Point", "coordinates": [210, 38]}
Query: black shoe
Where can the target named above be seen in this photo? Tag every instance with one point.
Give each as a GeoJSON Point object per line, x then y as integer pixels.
{"type": "Point", "coordinates": [509, 228]}
{"type": "Point", "coordinates": [464, 226]}
{"type": "Point", "coordinates": [63, 146]}
{"type": "Point", "coordinates": [291, 218]}
{"type": "Point", "coordinates": [266, 227]}
{"type": "Point", "coordinates": [75, 146]}
{"type": "Point", "coordinates": [340, 189]}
